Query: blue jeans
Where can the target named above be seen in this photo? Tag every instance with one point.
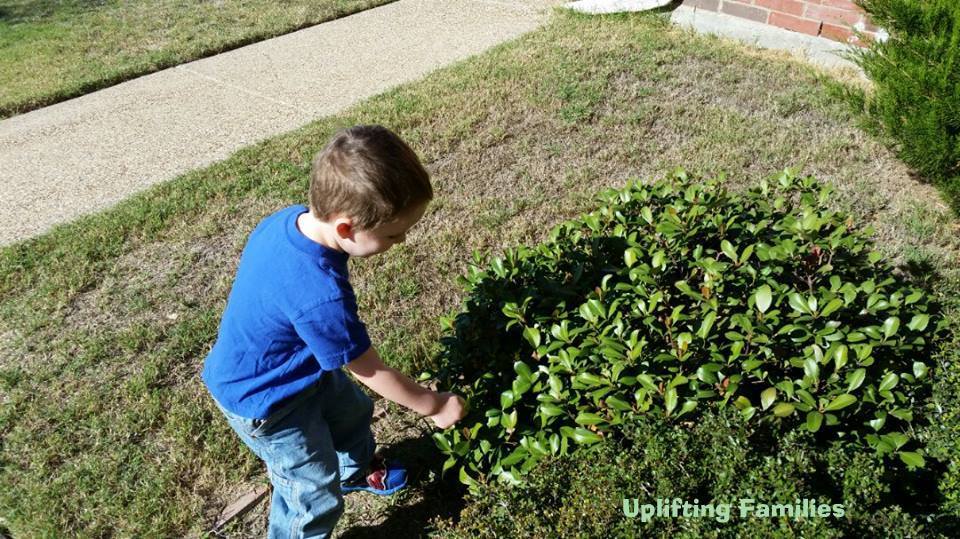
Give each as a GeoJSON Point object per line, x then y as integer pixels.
{"type": "Point", "coordinates": [311, 445]}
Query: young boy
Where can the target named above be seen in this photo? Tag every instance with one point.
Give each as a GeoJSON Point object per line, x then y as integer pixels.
{"type": "Point", "coordinates": [291, 323]}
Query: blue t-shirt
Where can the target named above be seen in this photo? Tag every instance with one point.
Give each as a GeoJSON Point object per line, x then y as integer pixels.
{"type": "Point", "coordinates": [291, 315]}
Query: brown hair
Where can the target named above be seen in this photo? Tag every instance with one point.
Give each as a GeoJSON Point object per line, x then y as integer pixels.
{"type": "Point", "coordinates": [369, 174]}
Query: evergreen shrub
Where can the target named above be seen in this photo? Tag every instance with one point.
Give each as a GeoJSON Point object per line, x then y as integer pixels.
{"type": "Point", "coordinates": [681, 298]}
{"type": "Point", "coordinates": [916, 76]}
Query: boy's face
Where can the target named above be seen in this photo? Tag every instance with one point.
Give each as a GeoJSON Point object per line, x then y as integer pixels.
{"type": "Point", "coordinates": [379, 239]}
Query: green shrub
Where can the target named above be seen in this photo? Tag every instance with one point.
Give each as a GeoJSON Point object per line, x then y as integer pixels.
{"type": "Point", "coordinates": [679, 297]}
{"type": "Point", "coordinates": [916, 75]}
{"type": "Point", "coordinates": [719, 459]}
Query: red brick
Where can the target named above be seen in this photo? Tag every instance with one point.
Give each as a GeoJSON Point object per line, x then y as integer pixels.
{"type": "Point", "coordinates": [792, 7]}
{"type": "Point", "coordinates": [795, 23]}
{"type": "Point", "coordinates": [709, 5]}
{"type": "Point", "coordinates": [832, 15]}
{"type": "Point", "coordinates": [842, 4]}
{"type": "Point", "coordinates": [842, 34]}
{"type": "Point", "coordinates": [746, 12]}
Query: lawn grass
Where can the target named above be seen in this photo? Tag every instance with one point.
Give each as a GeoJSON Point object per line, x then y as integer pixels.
{"type": "Point", "coordinates": [105, 427]}
{"type": "Point", "coordinates": [52, 51]}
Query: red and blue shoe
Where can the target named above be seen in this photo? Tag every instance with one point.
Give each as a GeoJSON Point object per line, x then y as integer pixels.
{"type": "Point", "coordinates": [385, 478]}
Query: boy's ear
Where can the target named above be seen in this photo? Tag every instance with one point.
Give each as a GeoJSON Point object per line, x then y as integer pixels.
{"type": "Point", "coordinates": [344, 227]}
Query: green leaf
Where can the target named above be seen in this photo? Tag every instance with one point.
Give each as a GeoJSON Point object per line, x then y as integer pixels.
{"type": "Point", "coordinates": [742, 403]}
{"type": "Point", "coordinates": [523, 370]}
{"type": "Point", "coordinates": [811, 368]}
{"type": "Point", "coordinates": [466, 479]}
{"type": "Point", "coordinates": [707, 324]}
{"type": "Point", "coordinates": [497, 265]}
{"type": "Point", "coordinates": [889, 382]}
{"type": "Point", "coordinates": [707, 373]}
{"type": "Point", "coordinates": [919, 369]}
{"type": "Point", "coordinates": [840, 356]}
{"type": "Point", "coordinates": [506, 399]}
{"type": "Point", "coordinates": [647, 382]}
{"type": "Point", "coordinates": [798, 304]}
{"type": "Point", "coordinates": [670, 399]}
{"type": "Point", "coordinates": [550, 410]}
{"type": "Point", "coordinates": [834, 304]}
{"type": "Point", "coordinates": [585, 437]}
{"type": "Point", "coordinates": [814, 420]}
{"type": "Point", "coordinates": [509, 421]}
{"type": "Point", "coordinates": [441, 441]}
{"type": "Point", "coordinates": [890, 326]}
{"type": "Point", "coordinates": [751, 364]}
{"type": "Point", "coordinates": [767, 397]}
{"type": "Point", "coordinates": [879, 422]}
{"type": "Point", "coordinates": [783, 409]}
{"type": "Point", "coordinates": [589, 379]}
{"type": "Point", "coordinates": [842, 401]}
{"type": "Point", "coordinates": [556, 386]}
{"type": "Point", "coordinates": [659, 260]}
{"type": "Point", "coordinates": [688, 405]}
{"type": "Point", "coordinates": [763, 297]}
{"type": "Point", "coordinates": [630, 257]}
{"type": "Point", "coordinates": [587, 418]}
{"type": "Point", "coordinates": [912, 459]}
{"type": "Point", "coordinates": [514, 457]}
{"type": "Point", "coordinates": [919, 322]}
{"type": "Point", "coordinates": [901, 414]}
{"type": "Point", "coordinates": [896, 439]}
{"type": "Point", "coordinates": [533, 336]}
{"type": "Point", "coordinates": [646, 214]}
{"type": "Point", "coordinates": [618, 404]}
{"type": "Point", "coordinates": [678, 380]}
{"type": "Point", "coordinates": [855, 379]}
{"type": "Point", "coordinates": [519, 387]}
{"type": "Point", "coordinates": [729, 250]}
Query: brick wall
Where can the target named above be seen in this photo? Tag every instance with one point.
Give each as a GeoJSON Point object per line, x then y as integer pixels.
{"type": "Point", "coordinates": [832, 19]}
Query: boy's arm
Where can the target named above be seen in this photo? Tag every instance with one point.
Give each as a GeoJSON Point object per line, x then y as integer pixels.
{"type": "Point", "coordinates": [397, 387]}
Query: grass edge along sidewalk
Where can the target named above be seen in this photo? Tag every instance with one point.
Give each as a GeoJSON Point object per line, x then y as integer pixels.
{"type": "Point", "coordinates": [105, 427]}
{"type": "Point", "coordinates": [73, 50]}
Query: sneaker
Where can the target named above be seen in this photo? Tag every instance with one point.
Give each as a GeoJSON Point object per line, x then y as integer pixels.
{"type": "Point", "coordinates": [385, 478]}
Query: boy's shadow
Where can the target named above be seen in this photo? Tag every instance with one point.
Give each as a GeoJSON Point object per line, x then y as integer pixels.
{"type": "Point", "coordinates": [439, 498]}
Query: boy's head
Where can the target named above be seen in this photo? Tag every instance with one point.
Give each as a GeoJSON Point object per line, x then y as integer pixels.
{"type": "Point", "coordinates": [370, 187]}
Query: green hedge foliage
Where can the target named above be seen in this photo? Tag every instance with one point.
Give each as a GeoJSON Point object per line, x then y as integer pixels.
{"type": "Point", "coordinates": [680, 298]}
{"type": "Point", "coordinates": [916, 76]}
{"type": "Point", "coordinates": [716, 459]}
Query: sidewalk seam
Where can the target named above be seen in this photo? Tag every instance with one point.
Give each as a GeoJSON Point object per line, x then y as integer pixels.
{"type": "Point", "coordinates": [241, 89]}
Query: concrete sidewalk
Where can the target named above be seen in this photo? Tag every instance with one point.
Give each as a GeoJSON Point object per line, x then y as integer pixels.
{"type": "Point", "coordinates": [88, 153]}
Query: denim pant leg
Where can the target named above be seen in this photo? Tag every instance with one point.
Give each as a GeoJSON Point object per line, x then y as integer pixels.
{"type": "Point", "coordinates": [348, 412]}
{"type": "Point", "coordinates": [298, 450]}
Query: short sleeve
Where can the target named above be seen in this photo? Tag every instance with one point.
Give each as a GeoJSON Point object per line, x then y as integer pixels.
{"type": "Point", "coordinates": [333, 332]}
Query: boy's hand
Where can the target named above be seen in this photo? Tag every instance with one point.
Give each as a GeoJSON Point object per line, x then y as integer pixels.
{"type": "Point", "coordinates": [452, 410]}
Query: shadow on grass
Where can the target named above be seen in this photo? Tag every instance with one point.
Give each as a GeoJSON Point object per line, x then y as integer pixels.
{"type": "Point", "coordinates": [20, 12]}
{"type": "Point", "coordinates": [439, 498]}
